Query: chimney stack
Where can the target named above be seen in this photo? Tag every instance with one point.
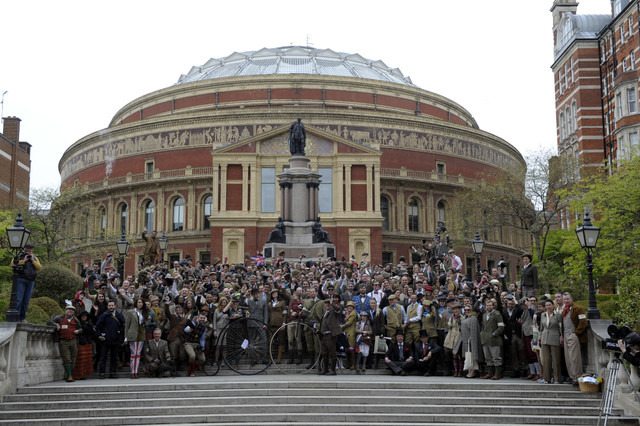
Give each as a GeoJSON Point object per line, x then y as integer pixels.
{"type": "Point", "coordinates": [11, 129]}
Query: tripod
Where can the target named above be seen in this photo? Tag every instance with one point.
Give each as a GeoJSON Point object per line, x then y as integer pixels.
{"type": "Point", "coordinates": [608, 396]}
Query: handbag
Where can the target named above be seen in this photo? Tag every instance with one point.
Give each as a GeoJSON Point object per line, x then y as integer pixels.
{"type": "Point", "coordinates": [380, 346]}
{"type": "Point", "coordinates": [469, 362]}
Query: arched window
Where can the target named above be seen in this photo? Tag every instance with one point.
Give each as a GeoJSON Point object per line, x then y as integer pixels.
{"type": "Point", "coordinates": [442, 214]}
{"type": "Point", "coordinates": [567, 116]}
{"type": "Point", "coordinates": [208, 208]}
{"type": "Point", "coordinates": [562, 135]}
{"type": "Point", "coordinates": [413, 211]}
{"type": "Point", "coordinates": [574, 115]}
{"type": "Point", "coordinates": [103, 222]}
{"type": "Point", "coordinates": [178, 214]}
{"type": "Point", "coordinates": [149, 210]}
{"type": "Point", "coordinates": [384, 210]}
{"type": "Point", "coordinates": [123, 218]}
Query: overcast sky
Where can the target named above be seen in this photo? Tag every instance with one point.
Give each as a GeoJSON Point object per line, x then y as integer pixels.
{"type": "Point", "coordinates": [69, 66]}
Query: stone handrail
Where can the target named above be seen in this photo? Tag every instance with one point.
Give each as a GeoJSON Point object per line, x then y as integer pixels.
{"type": "Point", "coordinates": [599, 361]}
{"type": "Point", "coordinates": [28, 355]}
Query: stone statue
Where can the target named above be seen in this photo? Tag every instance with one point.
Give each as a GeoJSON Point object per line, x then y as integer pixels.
{"type": "Point", "coordinates": [277, 235]}
{"type": "Point", "coordinates": [297, 138]}
{"type": "Point", "coordinates": [319, 234]}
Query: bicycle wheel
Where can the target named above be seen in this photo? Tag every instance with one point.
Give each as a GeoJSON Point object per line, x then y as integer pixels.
{"type": "Point", "coordinates": [210, 366]}
{"type": "Point", "coordinates": [245, 343]}
{"type": "Point", "coordinates": [307, 332]}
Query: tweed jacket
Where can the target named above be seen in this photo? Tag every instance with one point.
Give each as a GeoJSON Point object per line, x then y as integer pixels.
{"type": "Point", "coordinates": [470, 336]}
{"type": "Point", "coordinates": [550, 334]}
{"type": "Point", "coordinates": [580, 322]}
{"type": "Point", "coordinates": [276, 316]}
{"type": "Point", "coordinates": [492, 329]}
{"type": "Point", "coordinates": [258, 309]}
{"type": "Point", "coordinates": [159, 351]}
{"type": "Point", "coordinates": [133, 330]}
{"type": "Point", "coordinates": [330, 320]}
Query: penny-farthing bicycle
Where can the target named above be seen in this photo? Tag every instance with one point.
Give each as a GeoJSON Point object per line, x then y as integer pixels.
{"type": "Point", "coordinates": [305, 332]}
{"type": "Point", "coordinates": [245, 345]}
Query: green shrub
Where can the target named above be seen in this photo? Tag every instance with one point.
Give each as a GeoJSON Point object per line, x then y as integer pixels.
{"type": "Point", "coordinates": [48, 305]}
{"type": "Point", "coordinates": [58, 283]}
{"type": "Point", "coordinates": [4, 305]}
{"type": "Point", "coordinates": [6, 273]}
{"type": "Point", "coordinates": [36, 315]}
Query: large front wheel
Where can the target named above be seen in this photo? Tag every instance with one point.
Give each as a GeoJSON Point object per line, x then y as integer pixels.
{"type": "Point", "coordinates": [245, 346]}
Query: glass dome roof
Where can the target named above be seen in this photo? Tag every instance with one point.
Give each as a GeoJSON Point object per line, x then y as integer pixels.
{"type": "Point", "coordinates": [295, 60]}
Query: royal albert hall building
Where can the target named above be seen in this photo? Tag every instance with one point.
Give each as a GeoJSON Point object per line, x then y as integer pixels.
{"type": "Point", "coordinates": [200, 160]}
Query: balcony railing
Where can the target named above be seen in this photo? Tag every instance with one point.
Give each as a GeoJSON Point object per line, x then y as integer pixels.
{"type": "Point", "coordinates": [155, 176]}
{"type": "Point", "coordinates": [426, 176]}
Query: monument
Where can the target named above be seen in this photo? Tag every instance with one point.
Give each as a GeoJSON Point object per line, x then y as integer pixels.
{"type": "Point", "coordinates": [299, 231]}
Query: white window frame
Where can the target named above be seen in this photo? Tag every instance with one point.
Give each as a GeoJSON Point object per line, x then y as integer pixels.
{"type": "Point", "coordinates": [632, 100]}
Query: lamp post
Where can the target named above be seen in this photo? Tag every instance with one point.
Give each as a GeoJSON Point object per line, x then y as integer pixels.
{"type": "Point", "coordinates": [123, 249]}
{"type": "Point", "coordinates": [477, 245]}
{"type": "Point", "coordinates": [18, 236]}
{"type": "Point", "coordinates": [588, 237]}
{"type": "Point", "coordinates": [163, 243]}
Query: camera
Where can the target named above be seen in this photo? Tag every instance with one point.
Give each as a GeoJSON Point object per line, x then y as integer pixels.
{"type": "Point", "coordinates": [615, 333]}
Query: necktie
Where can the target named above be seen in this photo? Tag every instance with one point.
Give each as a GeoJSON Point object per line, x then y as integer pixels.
{"type": "Point", "coordinates": [400, 350]}
{"type": "Point", "coordinates": [424, 349]}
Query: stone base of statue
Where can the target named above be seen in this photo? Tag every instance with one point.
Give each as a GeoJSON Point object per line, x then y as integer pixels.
{"type": "Point", "coordinates": [299, 222]}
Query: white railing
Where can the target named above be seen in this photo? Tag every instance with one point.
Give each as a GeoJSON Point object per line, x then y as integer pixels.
{"type": "Point", "coordinates": [599, 361]}
{"type": "Point", "coordinates": [28, 355]}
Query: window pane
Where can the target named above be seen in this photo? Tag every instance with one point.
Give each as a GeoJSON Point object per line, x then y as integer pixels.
{"type": "Point", "coordinates": [325, 190]}
{"type": "Point", "coordinates": [178, 215]}
{"type": "Point", "coordinates": [148, 216]}
{"type": "Point", "coordinates": [123, 218]}
{"type": "Point", "coordinates": [268, 190]}
{"type": "Point", "coordinates": [208, 207]}
{"type": "Point", "coordinates": [384, 209]}
{"type": "Point", "coordinates": [413, 215]}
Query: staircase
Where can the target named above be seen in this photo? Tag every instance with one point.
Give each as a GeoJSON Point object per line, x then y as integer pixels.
{"type": "Point", "coordinates": [346, 399]}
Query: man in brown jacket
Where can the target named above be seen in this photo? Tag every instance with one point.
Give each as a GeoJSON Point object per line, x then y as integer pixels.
{"type": "Point", "coordinates": [151, 247]}
{"type": "Point", "coordinates": [329, 331]}
{"type": "Point", "coordinates": [573, 332]}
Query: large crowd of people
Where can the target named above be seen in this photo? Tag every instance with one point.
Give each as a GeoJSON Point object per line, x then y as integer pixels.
{"type": "Point", "coordinates": [410, 318]}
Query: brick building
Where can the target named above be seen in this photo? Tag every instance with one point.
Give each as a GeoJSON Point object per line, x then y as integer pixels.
{"type": "Point", "coordinates": [199, 160]}
{"type": "Point", "coordinates": [15, 166]}
{"type": "Point", "coordinates": [596, 88]}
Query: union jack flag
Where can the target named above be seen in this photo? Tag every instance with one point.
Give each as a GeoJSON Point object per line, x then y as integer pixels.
{"type": "Point", "coordinates": [258, 260]}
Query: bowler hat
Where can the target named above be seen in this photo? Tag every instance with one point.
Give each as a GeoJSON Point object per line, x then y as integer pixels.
{"type": "Point", "coordinates": [632, 339]}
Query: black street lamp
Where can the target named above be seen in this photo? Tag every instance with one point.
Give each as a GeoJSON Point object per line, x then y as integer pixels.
{"type": "Point", "coordinates": [163, 243]}
{"type": "Point", "coordinates": [18, 236]}
{"type": "Point", "coordinates": [123, 249]}
{"type": "Point", "coordinates": [588, 238]}
{"type": "Point", "coordinates": [477, 245]}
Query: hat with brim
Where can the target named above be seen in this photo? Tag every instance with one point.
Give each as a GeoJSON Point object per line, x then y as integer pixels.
{"type": "Point", "coordinates": [69, 307]}
{"type": "Point", "coordinates": [350, 303]}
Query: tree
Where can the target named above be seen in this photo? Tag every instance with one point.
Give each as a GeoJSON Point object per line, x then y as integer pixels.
{"type": "Point", "coordinates": [58, 220]}
{"type": "Point", "coordinates": [519, 199]}
{"type": "Point", "coordinates": [614, 203]}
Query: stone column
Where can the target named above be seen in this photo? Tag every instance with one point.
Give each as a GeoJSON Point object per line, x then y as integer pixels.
{"type": "Point", "coordinates": [223, 187]}
{"type": "Point", "coordinates": [369, 188]}
{"type": "Point", "coordinates": [215, 195]}
{"type": "Point", "coordinates": [347, 187]}
{"type": "Point", "coordinates": [245, 187]}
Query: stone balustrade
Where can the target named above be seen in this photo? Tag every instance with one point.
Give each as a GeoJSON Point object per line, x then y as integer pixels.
{"type": "Point", "coordinates": [599, 361]}
{"type": "Point", "coordinates": [28, 355]}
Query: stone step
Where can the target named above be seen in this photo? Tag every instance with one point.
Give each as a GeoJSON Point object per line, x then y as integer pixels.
{"type": "Point", "coordinates": [552, 397]}
{"type": "Point", "coordinates": [323, 418]}
{"type": "Point", "coordinates": [134, 400]}
{"type": "Point", "coordinates": [295, 399]}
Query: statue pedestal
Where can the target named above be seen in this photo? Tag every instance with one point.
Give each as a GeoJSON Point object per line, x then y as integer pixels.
{"type": "Point", "coordinates": [299, 211]}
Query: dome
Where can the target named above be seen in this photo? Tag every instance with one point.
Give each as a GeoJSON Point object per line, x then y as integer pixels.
{"type": "Point", "coordinates": [295, 60]}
